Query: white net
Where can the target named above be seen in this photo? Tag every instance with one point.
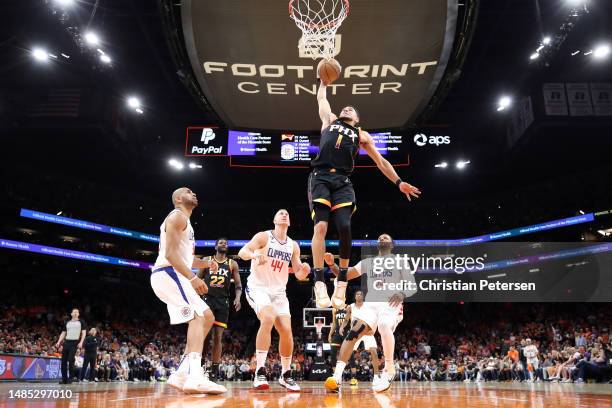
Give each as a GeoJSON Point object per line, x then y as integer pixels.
{"type": "Point", "coordinates": [319, 20]}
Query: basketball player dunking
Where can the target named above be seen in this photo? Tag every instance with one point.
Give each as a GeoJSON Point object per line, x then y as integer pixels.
{"type": "Point", "coordinates": [330, 189]}
{"type": "Point", "coordinates": [179, 288]}
{"type": "Point", "coordinates": [270, 253]}
{"type": "Point", "coordinates": [373, 315]}
{"type": "Point", "coordinates": [218, 281]}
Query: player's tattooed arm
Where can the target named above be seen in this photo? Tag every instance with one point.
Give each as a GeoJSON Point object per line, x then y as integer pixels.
{"type": "Point", "coordinates": [205, 263]}
{"type": "Point", "coordinates": [367, 143]}
{"type": "Point", "coordinates": [329, 261]}
{"type": "Point", "coordinates": [347, 319]}
{"type": "Point", "coordinates": [325, 112]}
{"type": "Point", "coordinates": [237, 284]}
{"type": "Point", "coordinates": [253, 248]}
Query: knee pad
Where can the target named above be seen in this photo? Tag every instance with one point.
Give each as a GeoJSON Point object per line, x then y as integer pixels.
{"type": "Point", "coordinates": [342, 219]}
{"type": "Point", "coordinates": [355, 331]}
{"type": "Point", "coordinates": [320, 212]}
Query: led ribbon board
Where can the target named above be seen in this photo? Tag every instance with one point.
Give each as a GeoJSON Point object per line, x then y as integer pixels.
{"type": "Point", "coordinates": [564, 222]}
{"type": "Point", "coordinates": [245, 57]}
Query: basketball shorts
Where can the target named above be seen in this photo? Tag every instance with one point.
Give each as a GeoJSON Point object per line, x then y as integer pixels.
{"type": "Point", "coordinates": [260, 297]}
{"type": "Point", "coordinates": [373, 313]}
{"type": "Point", "coordinates": [535, 363]}
{"type": "Point", "coordinates": [337, 340]}
{"type": "Point", "coordinates": [220, 308]}
{"type": "Point", "coordinates": [368, 341]}
{"type": "Point", "coordinates": [331, 189]}
{"type": "Point", "coordinates": [176, 292]}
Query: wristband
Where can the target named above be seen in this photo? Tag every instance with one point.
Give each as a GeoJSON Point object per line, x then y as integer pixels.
{"type": "Point", "coordinates": [194, 276]}
{"type": "Point", "coordinates": [398, 182]}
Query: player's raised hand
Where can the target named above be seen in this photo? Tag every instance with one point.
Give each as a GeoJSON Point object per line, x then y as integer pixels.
{"type": "Point", "coordinates": [199, 286]}
{"type": "Point", "coordinates": [328, 258]}
{"type": "Point", "coordinates": [409, 190]}
{"type": "Point", "coordinates": [396, 300]}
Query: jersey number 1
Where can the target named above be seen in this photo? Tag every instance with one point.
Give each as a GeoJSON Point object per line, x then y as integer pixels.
{"type": "Point", "coordinates": [276, 264]}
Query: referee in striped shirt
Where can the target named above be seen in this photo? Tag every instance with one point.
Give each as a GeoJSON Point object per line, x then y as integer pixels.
{"type": "Point", "coordinates": [73, 336]}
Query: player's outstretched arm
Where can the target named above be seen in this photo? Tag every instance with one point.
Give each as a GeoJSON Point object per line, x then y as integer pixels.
{"type": "Point", "coordinates": [325, 112]}
{"type": "Point", "coordinates": [352, 271]}
{"type": "Point", "coordinates": [300, 269]}
{"type": "Point", "coordinates": [252, 248]}
{"type": "Point", "coordinates": [205, 263]}
{"type": "Point", "coordinates": [367, 143]}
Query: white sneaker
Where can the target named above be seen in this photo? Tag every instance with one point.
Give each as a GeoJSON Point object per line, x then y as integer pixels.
{"type": "Point", "coordinates": [338, 299]}
{"type": "Point", "coordinates": [383, 384]}
{"type": "Point", "coordinates": [288, 382]}
{"type": "Point", "coordinates": [260, 382]}
{"type": "Point", "coordinates": [197, 384]}
{"type": "Point", "coordinates": [177, 380]}
{"type": "Point", "coordinates": [321, 295]}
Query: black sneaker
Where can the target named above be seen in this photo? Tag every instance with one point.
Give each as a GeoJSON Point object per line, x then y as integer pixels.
{"type": "Point", "coordinates": [288, 382]}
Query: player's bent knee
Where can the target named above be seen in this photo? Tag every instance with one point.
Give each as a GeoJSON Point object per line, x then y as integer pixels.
{"type": "Point", "coordinates": [356, 331]}
{"type": "Point", "coordinates": [320, 228]}
{"type": "Point", "coordinates": [208, 316]}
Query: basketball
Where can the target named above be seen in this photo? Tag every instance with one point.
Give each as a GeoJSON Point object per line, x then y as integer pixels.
{"type": "Point", "coordinates": [328, 70]}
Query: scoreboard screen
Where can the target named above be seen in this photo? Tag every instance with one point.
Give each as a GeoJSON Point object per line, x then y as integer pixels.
{"type": "Point", "coordinates": [284, 149]}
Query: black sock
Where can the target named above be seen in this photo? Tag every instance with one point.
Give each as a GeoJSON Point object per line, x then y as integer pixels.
{"type": "Point", "coordinates": [215, 368]}
{"type": "Point", "coordinates": [319, 275]}
{"type": "Point", "coordinates": [342, 274]}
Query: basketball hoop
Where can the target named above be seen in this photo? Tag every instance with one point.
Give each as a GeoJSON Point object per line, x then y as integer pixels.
{"type": "Point", "coordinates": [319, 20]}
{"type": "Point", "coordinates": [319, 327]}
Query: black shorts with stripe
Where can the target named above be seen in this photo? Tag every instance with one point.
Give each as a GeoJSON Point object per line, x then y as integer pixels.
{"type": "Point", "coordinates": [220, 308]}
{"type": "Point", "coordinates": [331, 189]}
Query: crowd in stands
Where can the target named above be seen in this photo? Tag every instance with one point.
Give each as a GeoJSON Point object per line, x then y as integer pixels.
{"type": "Point", "coordinates": [436, 342]}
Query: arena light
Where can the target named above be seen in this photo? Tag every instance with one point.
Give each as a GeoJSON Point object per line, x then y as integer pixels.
{"type": "Point", "coordinates": [546, 40]}
{"type": "Point", "coordinates": [601, 51]}
{"type": "Point", "coordinates": [105, 59]}
{"type": "Point", "coordinates": [40, 54]}
{"type": "Point", "coordinates": [65, 55]}
{"type": "Point", "coordinates": [534, 56]}
{"type": "Point", "coordinates": [139, 111]}
{"type": "Point", "coordinates": [575, 53]}
{"type": "Point", "coordinates": [64, 3]}
{"type": "Point", "coordinates": [442, 165]}
{"type": "Point", "coordinates": [461, 164]}
{"type": "Point", "coordinates": [176, 164]}
{"type": "Point", "coordinates": [503, 103]}
{"type": "Point", "coordinates": [92, 38]}
{"type": "Point", "coordinates": [133, 102]}
{"type": "Point", "coordinates": [195, 166]}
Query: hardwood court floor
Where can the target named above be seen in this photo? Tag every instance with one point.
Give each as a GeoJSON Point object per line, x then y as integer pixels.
{"type": "Point", "coordinates": [401, 395]}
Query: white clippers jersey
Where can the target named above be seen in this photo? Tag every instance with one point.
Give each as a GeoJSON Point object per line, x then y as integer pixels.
{"type": "Point", "coordinates": [186, 245]}
{"type": "Point", "coordinates": [274, 274]}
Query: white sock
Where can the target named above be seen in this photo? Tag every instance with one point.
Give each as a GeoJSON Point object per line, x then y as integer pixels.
{"type": "Point", "coordinates": [183, 367]}
{"type": "Point", "coordinates": [286, 364]}
{"type": "Point", "coordinates": [389, 367]}
{"type": "Point", "coordinates": [260, 356]}
{"type": "Point", "coordinates": [195, 363]}
{"type": "Point", "coordinates": [339, 370]}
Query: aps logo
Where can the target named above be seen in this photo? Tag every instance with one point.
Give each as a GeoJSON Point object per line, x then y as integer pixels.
{"type": "Point", "coordinates": [421, 139]}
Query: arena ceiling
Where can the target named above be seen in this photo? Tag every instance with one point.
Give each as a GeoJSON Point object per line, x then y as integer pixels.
{"type": "Point", "coordinates": [245, 59]}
